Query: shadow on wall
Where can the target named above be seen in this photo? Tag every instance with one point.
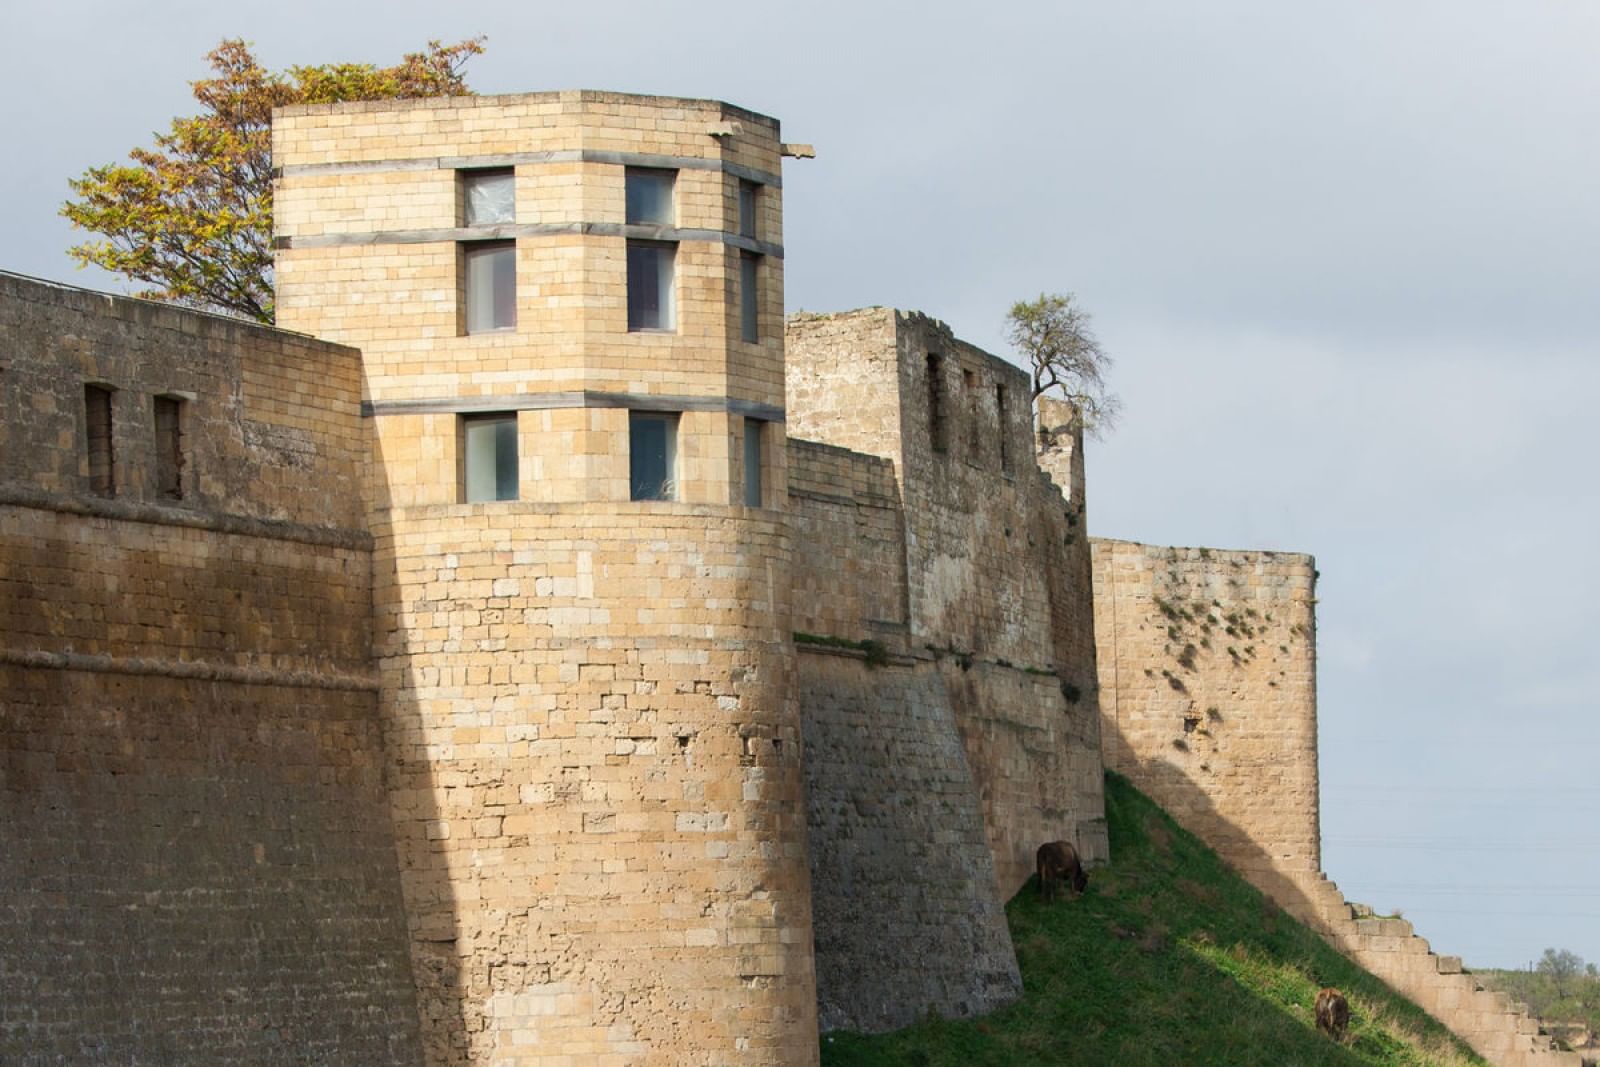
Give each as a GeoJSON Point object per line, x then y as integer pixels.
{"type": "Point", "coordinates": [194, 843]}
{"type": "Point", "coordinates": [1036, 763]}
{"type": "Point", "coordinates": [437, 943]}
{"type": "Point", "coordinates": [1192, 807]}
{"type": "Point", "coordinates": [422, 838]}
{"type": "Point", "coordinates": [898, 850]}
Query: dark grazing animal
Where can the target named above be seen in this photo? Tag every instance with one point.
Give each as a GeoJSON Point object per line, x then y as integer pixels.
{"type": "Point", "coordinates": [1333, 1013]}
{"type": "Point", "coordinates": [1059, 866]}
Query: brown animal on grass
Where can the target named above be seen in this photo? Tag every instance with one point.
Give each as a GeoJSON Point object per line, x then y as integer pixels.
{"type": "Point", "coordinates": [1059, 866]}
{"type": "Point", "coordinates": [1333, 1013]}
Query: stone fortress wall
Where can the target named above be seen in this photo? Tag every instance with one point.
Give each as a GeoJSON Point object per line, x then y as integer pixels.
{"type": "Point", "coordinates": [195, 854]}
{"type": "Point", "coordinates": [961, 731]}
{"type": "Point", "coordinates": [977, 581]}
{"type": "Point", "coordinates": [1207, 663]}
{"type": "Point", "coordinates": [589, 700]}
{"type": "Point", "coordinates": [304, 754]}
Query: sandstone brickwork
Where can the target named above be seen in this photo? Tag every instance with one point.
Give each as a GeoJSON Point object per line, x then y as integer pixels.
{"type": "Point", "coordinates": [1498, 1029]}
{"type": "Point", "coordinates": [1207, 665]}
{"type": "Point", "coordinates": [905, 910]}
{"type": "Point", "coordinates": [270, 426]}
{"type": "Point", "coordinates": [589, 701]}
{"type": "Point", "coordinates": [729, 689]}
{"type": "Point", "coordinates": [860, 380]}
{"type": "Point", "coordinates": [987, 577]}
{"type": "Point", "coordinates": [850, 534]}
{"type": "Point", "coordinates": [938, 542]}
{"type": "Point", "coordinates": [1208, 685]}
{"type": "Point", "coordinates": [193, 842]}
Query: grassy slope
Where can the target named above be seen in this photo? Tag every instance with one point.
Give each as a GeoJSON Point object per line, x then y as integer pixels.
{"type": "Point", "coordinates": [1168, 959]}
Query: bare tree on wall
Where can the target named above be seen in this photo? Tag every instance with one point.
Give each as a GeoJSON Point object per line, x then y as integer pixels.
{"type": "Point", "coordinates": [1055, 334]}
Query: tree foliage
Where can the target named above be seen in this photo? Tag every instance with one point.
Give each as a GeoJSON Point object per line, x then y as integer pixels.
{"type": "Point", "coordinates": [1056, 336]}
{"type": "Point", "coordinates": [1560, 988]}
{"type": "Point", "coordinates": [1562, 966]}
{"type": "Point", "coordinates": [192, 217]}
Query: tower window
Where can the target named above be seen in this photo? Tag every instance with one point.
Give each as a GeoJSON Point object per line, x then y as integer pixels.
{"type": "Point", "coordinates": [488, 196]}
{"type": "Point", "coordinates": [749, 297]}
{"type": "Point", "coordinates": [969, 385]}
{"type": "Point", "coordinates": [749, 201]}
{"type": "Point", "coordinates": [1000, 419]}
{"type": "Point", "coordinates": [650, 285]}
{"type": "Point", "coordinates": [489, 453]}
{"type": "Point", "coordinates": [169, 447]}
{"type": "Point", "coordinates": [936, 415]}
{"type": "Point", "coordinates": [653, 455]}
{"type": "Point", "coordinates": [102, 458]}
{"type": "Point", "coordinates": [752, 462]}
{"type": "Point", "coordinates": [490, 288]}
{"type": "Point", "coordinates": [649, 196]}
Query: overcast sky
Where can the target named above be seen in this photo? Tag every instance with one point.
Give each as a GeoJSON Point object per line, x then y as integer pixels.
{"type": "Point", "coordinates": [1345, 255]}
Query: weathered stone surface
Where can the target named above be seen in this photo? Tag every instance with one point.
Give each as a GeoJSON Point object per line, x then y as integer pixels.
{"type": "Point", "coordinates": [1207, 664]}
{"type": "Point", "coordinates": [1497, 1028]}
{"type": "Point", "coordinates": [903, 884]}
{"type": "Point", "coordinates": [194, 843]}
{"type": "Point", "coordinates": [977, 558]}
{"type": "Point", "coordinates": [588, 701]}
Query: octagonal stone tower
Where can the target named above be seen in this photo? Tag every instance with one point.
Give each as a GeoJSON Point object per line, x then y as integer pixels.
{"type": "Point", "coordinates": [570, 307]}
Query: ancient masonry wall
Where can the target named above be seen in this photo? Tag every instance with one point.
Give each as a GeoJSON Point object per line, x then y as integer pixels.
{"type": "Point", "coordinates": [589, 701]}
{"type": "Point", "coordinates": [193, 843]}
{"type": "Point", "coordinates": [1208, 683]}
{"type": "Point", "coordinates": [1207, 665]}
{"type": "Point", "coordinates": [583, 737]}
{"type": "Point", "coordinates": [1498, 1029]}
{"type": "Point", "coordinates": [987, 576]}
{"type": "Point", "coordinates": [941, 566]}
{"type": "Point", "coordinates": [850, 542]}
{"type": "Point", "coordinates": [596, 780]}
{"type": "Point", "coordinates": [898, 851]}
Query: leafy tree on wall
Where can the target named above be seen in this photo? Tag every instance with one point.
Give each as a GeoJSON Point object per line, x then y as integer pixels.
{"type": "Point", "coordinates": [1064, 355]}
{"type": "Point", "coordinates": [192, 217]}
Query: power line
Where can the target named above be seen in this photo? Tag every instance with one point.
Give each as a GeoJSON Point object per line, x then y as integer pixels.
{"type": "Point", "coordinates": [1541, 914]}
{"type": "Point", "coordinates": [1437, 843]}
{"type": "Point", "coordinates": [1585, 891]}
{"type": "Point", "coordinates": [1389, 787]}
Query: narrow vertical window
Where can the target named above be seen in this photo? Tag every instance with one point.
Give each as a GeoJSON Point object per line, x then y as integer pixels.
{"type": "Point", "coordinates": [488, 197]}
{"type": "Point", "coordinates": [1000, 420]}
{"type": "Point", "coordinates": [749, 201]}
{"type": "Point", "coordinates": [649, 196]}
{"type": "Point", "coordinates": [969, 386]}
{"type": "Point", "coordinates": [653, 455]}
{"type": "Point", "coordinates": [489, 456]}
{"type": "Point", "coordinates": [490, 289]}
{"type": "Point", "coordinates": [102, 458]}
{"type": "Point", "coordinates": [752, 462]}
{"type": "Point", "coordinates": [650, 285]}
{"type": "Point", "coordinates": [749, 297]}
{"type": "Point", "coordinates": [936, 426]}
{"type": "Point", "coordinates": [169, 447]}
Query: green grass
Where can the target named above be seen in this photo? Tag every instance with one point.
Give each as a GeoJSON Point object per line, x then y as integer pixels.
{"type": "Point", "coordinates": [1169, 959]}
